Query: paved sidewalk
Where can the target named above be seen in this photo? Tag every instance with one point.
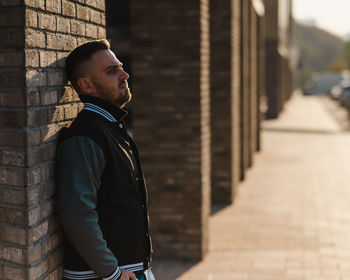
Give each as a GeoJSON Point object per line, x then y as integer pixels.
{"type": "Point", "coordinates": [291, 217]}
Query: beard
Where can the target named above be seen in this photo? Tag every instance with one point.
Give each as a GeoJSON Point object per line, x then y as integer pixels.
{"type": "Point", "coordinates": [107, 93]}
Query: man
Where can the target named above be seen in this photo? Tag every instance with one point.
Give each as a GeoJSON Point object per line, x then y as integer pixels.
{"type": "Point", "coordinates": [102, 198]}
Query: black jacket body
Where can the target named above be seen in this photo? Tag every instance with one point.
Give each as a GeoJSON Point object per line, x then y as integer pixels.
{"type": "Point", "coordinates": [121, 197]}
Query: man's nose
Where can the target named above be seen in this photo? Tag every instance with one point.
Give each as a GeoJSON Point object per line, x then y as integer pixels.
{"type": "Point", "coordinates": [125, 75]}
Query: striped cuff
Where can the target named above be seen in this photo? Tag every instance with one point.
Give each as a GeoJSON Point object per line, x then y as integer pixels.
{"type": "Point", "coordinates": [133, 267]}
{"type": "Point", "coordinates": [90, 274]}
{"type": "Point", "coordinates": [71, 274]}
{"type": "Point", "coordinates": [115, 275]}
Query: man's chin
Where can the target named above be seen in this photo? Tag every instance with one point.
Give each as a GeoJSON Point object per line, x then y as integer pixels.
{"type": "Point", "coordinates": [126, 99]}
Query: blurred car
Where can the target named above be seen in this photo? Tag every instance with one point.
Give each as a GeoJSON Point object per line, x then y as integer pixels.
{"type": "Point", "coordinates": [336, 92]}
{"type": "Point", "coordinates": [322, 83]}
{"type": "Point", "coordinates": [341, 92]}
{"type": "Point", "coordinates": [344, 98]}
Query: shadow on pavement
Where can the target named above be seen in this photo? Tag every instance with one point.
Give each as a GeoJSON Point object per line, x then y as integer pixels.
{"type": "Point", "coordinates": [170, 269]}
{"type": "Point", "coordinates": [215, 208]}
{"type": "Point", "coordinates": [295, 130]}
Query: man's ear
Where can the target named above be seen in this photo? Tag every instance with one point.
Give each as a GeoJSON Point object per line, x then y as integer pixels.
{"type": "Point", "coordinates": [86, 86]}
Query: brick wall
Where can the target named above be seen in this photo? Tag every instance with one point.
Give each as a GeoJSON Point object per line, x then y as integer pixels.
{"type": "Point", "coordinates": [34, 104]}
{"type": "Point", "coordinates": [170, 74]}
{"type": "Point", "coordinates": [13, 219]}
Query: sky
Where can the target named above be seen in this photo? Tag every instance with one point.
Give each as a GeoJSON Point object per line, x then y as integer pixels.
{"type": "Point", "coordinates": [332, 15]}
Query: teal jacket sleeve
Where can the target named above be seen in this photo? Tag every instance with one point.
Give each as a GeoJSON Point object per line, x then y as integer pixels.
{"type": "Point", "coordinates": [80, 163]}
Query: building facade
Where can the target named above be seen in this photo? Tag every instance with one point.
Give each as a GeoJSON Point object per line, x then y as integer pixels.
{"type": "Point", "coordinates": [198, 77]}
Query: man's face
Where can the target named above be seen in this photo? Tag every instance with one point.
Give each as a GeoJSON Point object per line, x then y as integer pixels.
{"type": "Point", "coordinates": [109, 78]}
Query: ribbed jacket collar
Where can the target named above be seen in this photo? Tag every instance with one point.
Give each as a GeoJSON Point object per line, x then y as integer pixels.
{"type": "Point", "coordinates": [102, 107]}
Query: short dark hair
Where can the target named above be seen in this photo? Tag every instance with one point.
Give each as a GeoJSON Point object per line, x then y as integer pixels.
{"type": "Point", "coordinates": [80, 55]}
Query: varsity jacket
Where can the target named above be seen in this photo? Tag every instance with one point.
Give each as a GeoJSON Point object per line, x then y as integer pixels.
{"type": "Point", "coordinates": [102, 196]}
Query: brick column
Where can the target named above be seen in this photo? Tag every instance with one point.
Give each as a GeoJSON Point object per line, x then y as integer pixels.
{"type": "Point", "coordinates": [253, 84]}
{"type": "Point", "coordinates": [245, 89]}
{"type": "Point", "coordinates": [236, 75]}
{"type": "Point", "coordinates": [34, 105]}
{"type": "Point", "coordinates": [170, 74]}
{"type": "Point", "coordinates": [273, 60]}
{"type": "Point", "coordinates": [261, 106]}
{"type": "Point", "coordinates": [224, 38]}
